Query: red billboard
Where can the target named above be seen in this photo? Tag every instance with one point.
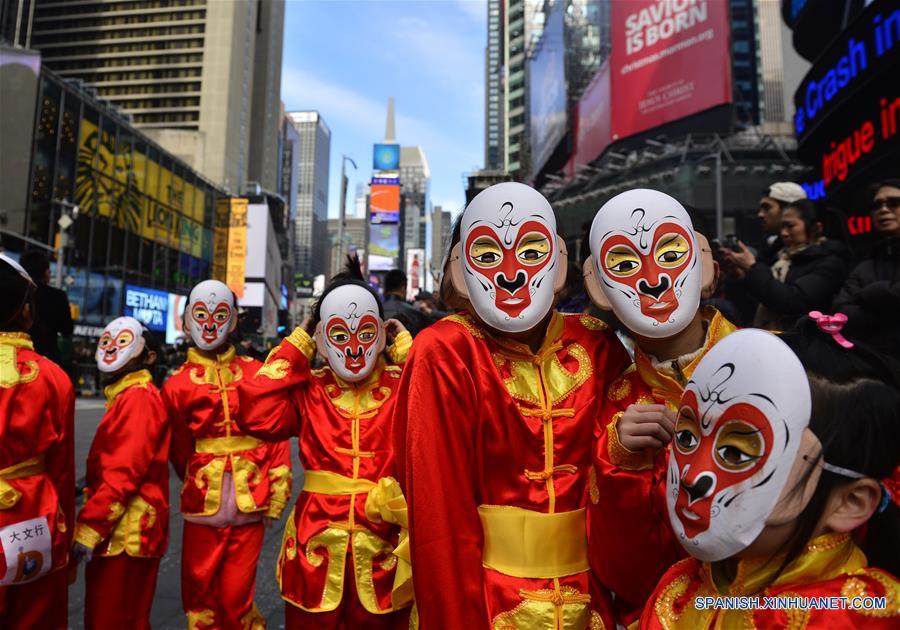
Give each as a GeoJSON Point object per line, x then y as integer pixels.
{"type": "Point", "coordinates": [670, 59]}
{"type": "Point", "coordinates": [592, 129]}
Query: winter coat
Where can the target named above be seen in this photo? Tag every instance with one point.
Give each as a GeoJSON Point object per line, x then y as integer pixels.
{"type": "Point", "coordinates": [815, 276]}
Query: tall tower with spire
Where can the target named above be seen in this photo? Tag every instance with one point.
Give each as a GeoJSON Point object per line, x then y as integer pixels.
{"type": "Point", "coordinates": [389, 134]}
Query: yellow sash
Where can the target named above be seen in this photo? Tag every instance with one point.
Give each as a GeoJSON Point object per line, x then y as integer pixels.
{"type": "Point", "coordinates": [324, 482]}
{"type": "Point", "coordinates": [226, 445]}
{"type": "Point", "coordinates": [9, 496]}
{"type": "Point", "coordinates": [527, 544]}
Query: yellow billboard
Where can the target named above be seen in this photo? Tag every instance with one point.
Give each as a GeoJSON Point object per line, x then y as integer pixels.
{"type": "Point", "coordinates": [230, 243]}
{"type": "Point", "coordinates": [137, 193]}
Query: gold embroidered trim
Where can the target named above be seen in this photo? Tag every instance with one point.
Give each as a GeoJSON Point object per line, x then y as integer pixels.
{"type": "Point", "coordinates": [275, 370]}
{"type": "Point", "coordinates": [301, 340]}
{"type": "Point", "coordinates": [619, 455]}
{"type": "Point", "coordinates": [592, 323]}
{"type": "Point", "coordinates": [87, 536]}
{"type": "Point", "coordinates": [856, 587]}
{"type": "Point", "coordinates": [399, 350]}
{"type": "Point", "coordinates": [466, 322]}
{"type": "Point", "coordinates": [665, 603]}
{"type": "Point", "coordinates": [134, 379]}
{"type": "Point", "coordinates": [9, 370]}
{"type": "Point", "coordinates": [593, 490]}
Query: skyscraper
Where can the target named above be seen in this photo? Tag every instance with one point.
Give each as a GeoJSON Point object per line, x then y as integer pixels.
{"type": "Point", "coordinates": [505, 91]}
{"type": "Point", "coordinates": [415, 178]}
{"type": "Point", "coordinates": [311, 227]}
{"type": "Point", "coordinates": [16, 19]}
{"type": "Point", "coordinates": [188, 73]}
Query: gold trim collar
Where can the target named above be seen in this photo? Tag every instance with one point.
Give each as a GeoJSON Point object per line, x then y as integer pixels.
{"type": "Point", "coordinates": [550, 344]}
{"type": "Point", "coordinates": [16, 339]}
{"type": "Point", "coordinates": [132, 379]}
{"type": "Point", "coordinates": [223, 358]}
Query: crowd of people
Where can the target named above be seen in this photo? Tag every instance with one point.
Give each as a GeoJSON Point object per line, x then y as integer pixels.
{"type": "Point", "coordinates": [513, 465]}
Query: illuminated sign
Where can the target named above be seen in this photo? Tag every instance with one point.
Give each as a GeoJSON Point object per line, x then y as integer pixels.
{"type": "Point", "coordinates": [386, 157]}
{"type": "Point", "coordinates": [384, 204]}
{"type": "Point", "coordinates": [859, 54]}
{"type": "Point", "coordinates": [849, 148]}
{"type": "Point", "coordinates": [859, 225]}
{"type": "Point", "coordinates": [148, 306]}
{"type": "Point", "coordinates": [230, 243]}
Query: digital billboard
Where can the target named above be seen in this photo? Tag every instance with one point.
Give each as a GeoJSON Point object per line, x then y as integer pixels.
{"type": "Point", "coordinates": [384, 203]}
{"type": "Point", "coordinates": [415, 272]}
{"type": "Point", "coordinates": [386, 157]}
{"type": "Point", "coordinates": [592, 130]}
{"type": "Point", "coordinates": [669, 60]}
{"type": "Point", "coordinates": [175, 318]}
{"type": "Point", "coordinates": [384, 246]}
{"type": "Point", "coordinates": [547, 97]}
{"type": "Point", "coordinates": [230, 243]}
{"type": "Point", "coordinates": [148, 306]}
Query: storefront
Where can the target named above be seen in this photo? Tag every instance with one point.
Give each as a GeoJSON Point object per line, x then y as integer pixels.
{"type": "Point", "coordinates": [144, 217]}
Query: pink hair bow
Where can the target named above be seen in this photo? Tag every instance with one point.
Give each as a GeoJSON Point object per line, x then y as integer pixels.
{"type": "Point", "coordinates": [832, 324]}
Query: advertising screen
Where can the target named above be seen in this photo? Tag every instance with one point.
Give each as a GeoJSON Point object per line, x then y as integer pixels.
{"type": "Point", "coordinates": [384, 246]}
{"type": "Point", "coordinates": [148, 306]}
{"type": "Point", "coordinates": [384, 204]}
{"type": "Point", "coordinates": [593, 133]}
{"type": "Point", "coordinates": [547, 72]}
{"type": "Point", "coordinates": [174, 321]}
{"type": "Point", "coordinates": [415, 272]}
{"type": "Point", "coordinates": [669, 60]}
{"type": "Point", "coordinates": [386, 157]}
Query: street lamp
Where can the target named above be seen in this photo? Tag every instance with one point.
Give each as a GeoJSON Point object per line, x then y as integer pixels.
{"type": "Point", "coordinates": [64, 222]}
{"type": "Point", "coordinates": [343, 214]}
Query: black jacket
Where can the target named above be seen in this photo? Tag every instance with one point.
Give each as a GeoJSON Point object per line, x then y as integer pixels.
{"type": "Point", "coordinates": [871, 298]}
{"type": "Point", "coordinates": [815, 276]}
{"type": "Point", "coordinates": [401, 310]}
{"type": "Point", "coordinates": [52, 317]}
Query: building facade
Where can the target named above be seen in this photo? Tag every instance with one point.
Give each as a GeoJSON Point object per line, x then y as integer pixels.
{"type": "Point", "coordinates": [311, 224]}
{"type": "Point", "coordinates": [144, 218]}
{"type": "Point", "coordinates": [415, 179]}
{"type": "Point", "coordinates": [187, 73]}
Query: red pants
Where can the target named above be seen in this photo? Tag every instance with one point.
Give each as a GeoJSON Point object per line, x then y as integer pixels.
{"type": "Point", "coordinates": [218, 575]}
{"type": "Point", "coordinates": [349, 615]}
{"type": "Point", "coordinates": [119, 592]}
{"type": "Point", "coordinates": [42, 604]}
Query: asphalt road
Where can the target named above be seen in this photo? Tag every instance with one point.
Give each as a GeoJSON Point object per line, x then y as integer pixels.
{"type": "Point", "coordinates": [167, 613]}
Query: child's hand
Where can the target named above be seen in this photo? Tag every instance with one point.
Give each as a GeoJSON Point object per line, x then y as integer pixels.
{"type": "Point", "coordinates": [646, 426]}
{"type": "Point", "coordinates": [81, 552]}
{"type": "Point", "coordinates": [392, 328]}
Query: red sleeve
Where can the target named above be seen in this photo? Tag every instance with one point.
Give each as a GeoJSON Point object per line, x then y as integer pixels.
{"type": "Point", "coordinates": [437, 398]}
{"type": "Point", "coordinates": [630, 542]}
{"type": "Point", "coordinates": [270, 401]}
{"type": "Point", "coordinates": [136, 429]}
{"type": "Point", "coordinates": [182, 439]}
{"type": "Point", "coordinates": [61, 460]}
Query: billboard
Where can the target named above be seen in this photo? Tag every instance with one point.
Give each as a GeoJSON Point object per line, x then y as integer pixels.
{"type": "Point", "coordinates": [137, 193]}
{"type": "Point", "coordinates": [547, 96]}
{"type": "Point", "coordinates": [386, 157]}
{"type": "Point", "coordinates": [230, 243]}
{"type": "Point", "coordinates": [592, 130]}
{"type": "Point", "coordinates": [415, 272]}
{"type": "Point", "coordinates": [384, 203]}
{"type": "Point", "coordinates": [384, 246]}
{"type": "Point", "coordinates": [174, 320]}
{"type": "Point", "coordinates": [669, 60]}
{"type": "Point", "coordinates": [148, 306]}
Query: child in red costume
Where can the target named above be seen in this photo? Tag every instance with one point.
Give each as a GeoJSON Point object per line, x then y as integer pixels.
{"type": "Point", "coordinates": [123, 528]}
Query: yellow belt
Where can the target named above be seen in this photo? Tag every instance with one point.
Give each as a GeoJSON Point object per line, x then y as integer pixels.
{"type": "Point", "coordinates": [9, 496]}
{"type": "Point", "coordinates": [324, 482]}
{"type": "Point", "coordinates": [226, 445]}
{"type": "Point", "coordinates": [527, 544]}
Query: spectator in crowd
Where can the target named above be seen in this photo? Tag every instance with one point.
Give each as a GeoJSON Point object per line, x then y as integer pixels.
{"type": "Point", "coordinates": [807, 274]}
{"type": "Point", "coordinates": [871, 296]}
{"type": "Point", "coordinates": [574, 298]}
{"type": "Point", "coordinates": [52, 315]}
{"type": "Point", "coordinates": [773, 203]}
{"type": "Point", "coordinates": [396, 306]}
{"type": "Point", "coordinates": [429, 305]}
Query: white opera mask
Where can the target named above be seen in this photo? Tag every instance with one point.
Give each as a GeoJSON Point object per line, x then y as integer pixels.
{"type": "Point", "coordinates": [739, 429]}
{"type": "Point", "coordinates": [210, 315]}
{"type": "Point", "coordinates": [350, 334]}
{"type": "Point", "coordinates": [648, 263]}
{"type": "Point", "coordinates": [121, 341]}
{"type": "Point", "coordinates": [510, 257]}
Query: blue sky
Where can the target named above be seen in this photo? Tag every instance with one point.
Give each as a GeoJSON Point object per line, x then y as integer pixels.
{"type": "Point", "coordinates": [345, 58]}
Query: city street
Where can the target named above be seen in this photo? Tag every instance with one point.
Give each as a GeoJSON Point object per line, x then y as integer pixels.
{"type": "Point", "coordinates": [167, 613]}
